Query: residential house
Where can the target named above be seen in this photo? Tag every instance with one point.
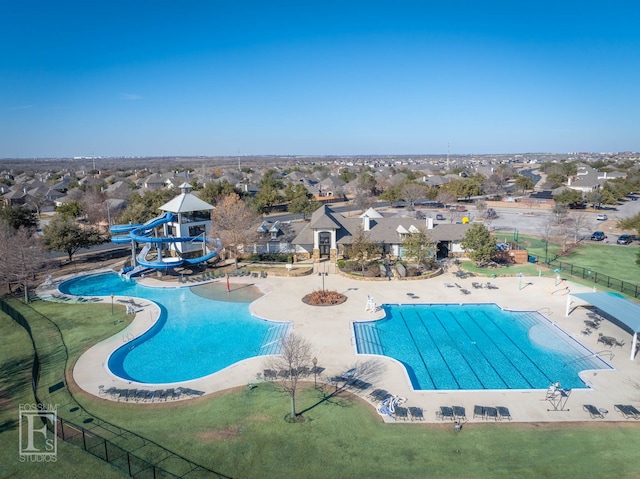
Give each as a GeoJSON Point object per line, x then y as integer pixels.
{"type": "Point", "coordinates": [329, 232]}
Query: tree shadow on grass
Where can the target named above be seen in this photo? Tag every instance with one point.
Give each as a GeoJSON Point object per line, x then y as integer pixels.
{"type": "Point", "coordinates": [354, 379]}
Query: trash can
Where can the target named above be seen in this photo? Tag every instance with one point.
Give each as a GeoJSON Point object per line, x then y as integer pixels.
{"type": "Point", "coordinates": [532, 259]}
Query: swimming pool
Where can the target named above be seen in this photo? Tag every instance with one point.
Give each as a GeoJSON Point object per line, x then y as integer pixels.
{"type": "Point", "coordinates": [193, 338]}
{"type": "Point", "coordinates": [476, 346]}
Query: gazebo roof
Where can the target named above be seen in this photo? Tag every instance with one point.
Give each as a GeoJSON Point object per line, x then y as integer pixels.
{"type": "Point", "coordinates": [185, 203]}
{"type": "Point", "coordinates": [624, 311]}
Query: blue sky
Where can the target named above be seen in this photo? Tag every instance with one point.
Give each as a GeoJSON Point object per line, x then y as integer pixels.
{"type": "Point", "coordinates": [138, 78]}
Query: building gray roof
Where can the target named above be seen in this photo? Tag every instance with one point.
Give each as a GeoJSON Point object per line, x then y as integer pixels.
{"type": "Point", "coordinates": [381, 229]}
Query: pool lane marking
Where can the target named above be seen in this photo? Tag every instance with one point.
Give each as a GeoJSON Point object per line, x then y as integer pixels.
{"type": "Point", "coordinates": [454, 347]}
{"type": "Point", "coordinates": [480, 351]}
{"type": "Point", "coordinates": [419, 353]}
{"type": "Point", "coordinates": [499, 350]}
{"type": "Point", "coordinates": [456, 343]}
{"type": "Point", "coordinates": [428, 333]}
{"type": "Point", "coordinates": [521, 317]}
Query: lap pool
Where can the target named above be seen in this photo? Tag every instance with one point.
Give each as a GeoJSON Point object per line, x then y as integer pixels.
{"type": "Point", "coordinates": [193, 338]}
{"type": "Point", "coordinates": [476, 346]}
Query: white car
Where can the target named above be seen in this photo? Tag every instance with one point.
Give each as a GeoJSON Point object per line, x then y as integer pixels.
{"type": "Point", "coordinates": [602, 217]}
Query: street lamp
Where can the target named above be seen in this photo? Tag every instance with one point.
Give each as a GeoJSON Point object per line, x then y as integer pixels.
{"type": "Point", "coordinates": [323, 275]}
{"type": "Point", "coordinates": [520, 275]}
{"type": "Point", "coordinates": [112, 295]}
{"type": "Point", "coordinates": [315, 371]}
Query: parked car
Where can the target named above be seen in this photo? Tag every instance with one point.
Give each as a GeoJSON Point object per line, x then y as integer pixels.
{"type": "Point", "coordinates": [440, 217]}
{"type": "Point", "coordinates": [602, 217]}
{"type": "Point", "coordinates": [598, 236]}
{"type": "Point", "coordinates": [458, 208]}
{"type": "Point", "coordinates": [625, 239]}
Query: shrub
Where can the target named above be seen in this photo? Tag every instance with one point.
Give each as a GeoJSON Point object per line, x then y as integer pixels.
{"type": "Point", "coordinates": [372, 271]}
{"type": "Point", "coordinates": [326, 297]}
{"type": "Point", "coordinates": [270, 258]}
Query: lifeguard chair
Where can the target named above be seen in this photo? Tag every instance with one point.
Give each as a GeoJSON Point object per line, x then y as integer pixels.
{"type": "Point", "coordinates": [557, 396]}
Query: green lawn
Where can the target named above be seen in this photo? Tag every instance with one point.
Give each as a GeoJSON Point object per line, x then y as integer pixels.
{"type": "Point", "coordinates": [606, 259]}
{"type": "Point", "coordinates": [613, 260]}
{"type": "Point", "coordinates": [243, 434]}
{"type": "Point", "coordinates": [16, 357]}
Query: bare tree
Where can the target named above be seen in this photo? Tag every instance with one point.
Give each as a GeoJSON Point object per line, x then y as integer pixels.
{"type": "Point", "coordinates": [446, 198]}
{"type": "Point", "coordinates": [22, 256]}
{"type": "Point", "coordinates": [578, 223]}
{"type": "Point", "coordinates": [293, 363]}
{"type": "Point", "coordinates": [94, 206]}
{"type": "Point", "coordinates": [363, 200]}
{"type": "Point", "coordinates": [546, 231]}
{"type": "Point", "coordinates": [233, 221]}
{"type": "Point", "coordinates": [412, 191]}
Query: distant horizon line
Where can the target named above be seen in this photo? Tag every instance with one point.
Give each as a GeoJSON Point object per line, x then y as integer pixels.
{"type": "Point", "coordinates": [279, 155]}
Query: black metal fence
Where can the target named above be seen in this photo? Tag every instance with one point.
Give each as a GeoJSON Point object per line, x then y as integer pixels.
{"type": "Point", "coordinates": [587, 274]}
{"type": "Point", "coordinates": [133, 454]}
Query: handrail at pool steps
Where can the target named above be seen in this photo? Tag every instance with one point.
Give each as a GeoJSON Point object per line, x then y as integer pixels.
{"type": "Point", "coordinates": [98, 437]}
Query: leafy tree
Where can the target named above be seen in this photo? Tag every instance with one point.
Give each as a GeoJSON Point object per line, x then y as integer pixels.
{"type": "Point", "coordinates": [630, 223]}
{"type": "Point", "coordinates": [419, 246]}
{"type": "Point", "coordinates": [233, 222]}
{"type": "Point", "coordinates": [367, 182]}
{"type": "Point", "coordinates": [479, 245]}
{"type": "Point", "coordinates": [569, 198]}
{"type": "Point", "coordinates": [19, 217]}
{"type": "Point", "coordinates": [143, 208]}
{"type": "Point", "coordinates": [465, 187]}
{"type": "Point", "coordinates": [303, 205]}
{"type": "Point", "coordinates": [214, 190]}
{"type": "Point", "coordinates": [266, 198]}
{"type": "Point", "coordinates": [271, 179]}
{"type": "Point", "coordinates": [293, 190]}
{"type": "Point", "coordinates": [347, 175]}
{"type": "Point", "coordinates": [67, 236]}
{"type": "Point", "coordinates": [391, 194]}
{"type": "Point", "coordinates": [362, 248]}
{"type": "Point", "coordinates": [524, 183]}
{"type": "Point", "coordinates": [295, 358]}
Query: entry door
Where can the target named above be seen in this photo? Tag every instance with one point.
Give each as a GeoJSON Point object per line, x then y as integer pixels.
{"type": "Point", "coordinates": [325, 244]}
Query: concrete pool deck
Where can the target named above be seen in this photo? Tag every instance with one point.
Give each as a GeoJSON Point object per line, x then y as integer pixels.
{"type": "Point", "coordinates": [329, 331]}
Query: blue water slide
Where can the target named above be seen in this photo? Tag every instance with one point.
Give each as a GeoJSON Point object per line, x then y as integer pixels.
{"type": "Point", "coordinates": [214, 245]}
{"type": "Point", "coordinates": [141, 233]}
{"type": "Point", "coordinates": [119, 229]}
{"type": "Point", "coordinates": [121, 239]}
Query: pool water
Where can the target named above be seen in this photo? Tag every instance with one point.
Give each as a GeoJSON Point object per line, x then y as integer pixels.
{"type": "Point", "coordinates": [193, 338]}
{"type": "Point", "coordinates": [476, 346]}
